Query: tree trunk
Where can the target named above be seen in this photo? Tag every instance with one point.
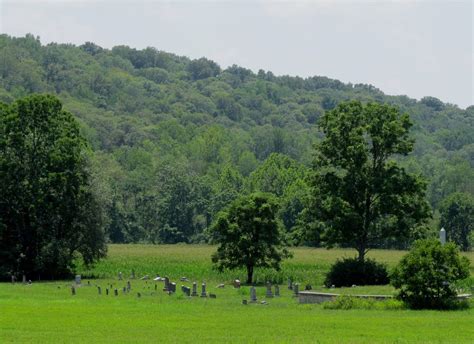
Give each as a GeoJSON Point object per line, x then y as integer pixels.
{"type": "Point", "coordinates": [361, 252]}
{"type": "Point", "coordinates": [249, 274]}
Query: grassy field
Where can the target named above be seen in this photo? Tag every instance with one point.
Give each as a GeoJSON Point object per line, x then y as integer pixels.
{"type": "Point", "coordinates": [46, 312]}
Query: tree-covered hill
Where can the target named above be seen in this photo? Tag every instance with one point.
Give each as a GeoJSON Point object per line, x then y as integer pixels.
{"type": "Point", "coordinates": [175, 140]}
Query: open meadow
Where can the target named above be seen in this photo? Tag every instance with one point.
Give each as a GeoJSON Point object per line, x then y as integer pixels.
{"type": "Point", "coordinates": [47, 312]}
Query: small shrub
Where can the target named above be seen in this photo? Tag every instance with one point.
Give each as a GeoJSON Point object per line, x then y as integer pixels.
{"type": "Point", "coordinates": [346, 302]}
{"type": "Point", "coordinates": [349, 271]}
{"type": "Point", "coordinates": [427, 275]}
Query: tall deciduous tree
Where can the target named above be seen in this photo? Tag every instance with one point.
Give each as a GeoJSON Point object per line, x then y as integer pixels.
{"type": "Point", "coordinates": [249, 235]}
{"type": "Point", "coordinates": [457, 216]}
{"type": "Point", "coordinates": [360, 194]}
{"type": "Point", "coordinates": [48, 212]}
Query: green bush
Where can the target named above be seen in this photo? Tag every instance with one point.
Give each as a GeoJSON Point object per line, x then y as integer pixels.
{"type": "Point", "coordinates": [350, 271]}
{"type": "Point", "coordinates": [426, 276]}
{"type": "Point", "coordinates": [346, 302]}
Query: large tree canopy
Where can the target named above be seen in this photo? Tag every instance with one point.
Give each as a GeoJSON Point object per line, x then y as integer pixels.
{"type": "Point", "coordinates": [249, 235]}
{"type": "Point", "coordinates": [48, 212]}
{"type": "Point", "coordinates": [361, 196]}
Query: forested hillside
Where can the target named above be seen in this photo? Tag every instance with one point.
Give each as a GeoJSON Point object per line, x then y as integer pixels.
{"type": "Point", "coordinates": [174, 140]}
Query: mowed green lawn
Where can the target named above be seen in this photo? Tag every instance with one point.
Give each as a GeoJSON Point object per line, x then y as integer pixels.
{"type": "Point", "coordinates": [47, 312]}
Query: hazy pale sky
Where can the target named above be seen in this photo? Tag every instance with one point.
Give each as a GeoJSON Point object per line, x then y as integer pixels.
{"type": "Point", "coordinates": [416, 48]}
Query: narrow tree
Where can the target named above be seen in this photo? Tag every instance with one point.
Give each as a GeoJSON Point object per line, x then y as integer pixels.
{"type": "Point", "coordinates": [360, 194]}
{"type": "Point", "coordinates": [48, 211]}
{"type": "Point", "coordinates": [249, 235]}
{"type": "Point", "coordinates": [457, 216]}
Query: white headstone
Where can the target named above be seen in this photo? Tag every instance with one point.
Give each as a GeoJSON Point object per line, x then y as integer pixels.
{"type": "Point", "coordinates": [442, 236]}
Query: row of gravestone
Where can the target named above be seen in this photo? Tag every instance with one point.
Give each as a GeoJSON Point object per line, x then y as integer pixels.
{"type": "Point", "coordinates": [170, 287]}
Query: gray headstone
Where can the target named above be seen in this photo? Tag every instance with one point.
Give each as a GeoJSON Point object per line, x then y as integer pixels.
{"type": "Point", "coordinates": [145, 278]}
{"type": "Point", "coordinates": [194, 293]}
{"type": "Point", "coordinates": [253, 294]}
{"type": "Point", "coordinates": [167, 284]}
{"type": "Point", "coordinates": [13, 279]}
{"type": "Point", "coordinates": [129, 286]}
{"type": "Point", "coordinates": [236, 283]}
{"type": "Point", "coordinates": [203, 290]}
{"type": "Point", "coordinates": [116, 292]}
{"type": "Point", "coordinates": [24, 279]}
{"type": "Point", "coordinates": [172, 287]}
{"type": "Point", "coordinates": [120, 276]}
{"type": "Point", "coordinates": [132, 275]}
{"type": "Point", "coordinates": [277, 290]}
{"type": "Point", "coordinates": [222, 285]}
{"type": "Point", "coordinates": [73, 290]}
{"type": "Point", "coordinates": [290, 284]}
{"type": "Point", "coordinates": [269, 293]}
{"type": "Point", "coordinates": [296, 287]}
{"type": "Point", "coordinates": [78, 279]}
{"type": "Point", "coordinates": [186, 290]}
{"type": "Point", "coordinates": [124, 289]}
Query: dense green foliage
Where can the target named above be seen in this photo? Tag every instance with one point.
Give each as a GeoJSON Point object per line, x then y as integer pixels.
{"type": "Point", "coordinates": [176, 140]}
{"type": "Point", "coordinates": [352, 271]}
{"type": "Point", "coordinates": [360, 195]}
{"type": "Point", "coordinates": [249, 235]}
{"type": "Point", "coordinates": [457, 216]}
{"type": "Point", "coordinates": [427, 275]}
{"type": "Point", "coordinates": [48, 210]}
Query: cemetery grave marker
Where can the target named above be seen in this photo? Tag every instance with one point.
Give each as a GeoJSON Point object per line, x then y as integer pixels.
{"type": "Point", "coordinates": [186, 290]}
{"type": "Point", "coordinates": [203, 290]}
{"type": "Point", "coordinates": [277, 290]}
{"type": "Point", "coordinates": [269, 293]}
{"type": "Point", "coordinates": [253, 294]}
{"type": "Point", "coordinates": [296, 289]}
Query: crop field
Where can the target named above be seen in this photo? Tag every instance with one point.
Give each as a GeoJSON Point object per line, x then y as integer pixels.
{"type": "Point", "coordinates": [47, 312]}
